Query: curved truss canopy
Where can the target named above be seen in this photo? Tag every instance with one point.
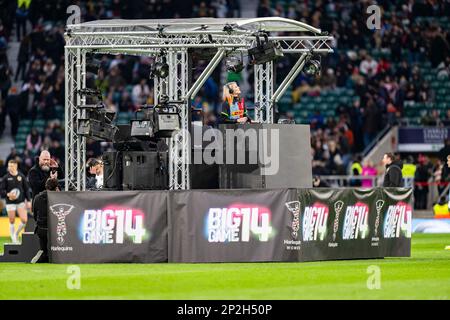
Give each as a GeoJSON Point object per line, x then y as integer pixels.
{"type": "Point", "coordinates": [207, 25]}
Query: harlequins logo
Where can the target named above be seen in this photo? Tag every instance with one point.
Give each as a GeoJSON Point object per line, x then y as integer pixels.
{"type": "Point", "coordinates": [378, 205]}
{"type": "Point", "coordinates": [19, 178]}
{"type": "Point", "coordinates": [294, 208]}
{"type": "Point", "coordinates": [61, 211]}
{"type": "Point", "coordinates": [338, 206]}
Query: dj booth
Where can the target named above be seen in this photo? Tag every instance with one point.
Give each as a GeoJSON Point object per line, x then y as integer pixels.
{"type": "Point", "coordinates": [239, 225]}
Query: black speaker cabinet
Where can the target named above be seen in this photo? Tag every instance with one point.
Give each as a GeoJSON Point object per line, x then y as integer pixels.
{"type": "Point", "coordinates": [287, 148]}
{"type": "Point", "coordinates": [112, 170]}
{"type": "Point", "coordinates": [145, 170]}
{"type": "Point", "coordinates": [203, 176]}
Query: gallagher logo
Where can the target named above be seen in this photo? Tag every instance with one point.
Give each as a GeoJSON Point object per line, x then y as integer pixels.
{"type": "Point", "coordinates": [236, 222]}
{"type": "Point", "coordinates": [356, 222]}
{"type": "Point", "coordinates": [397, 221]}
{"type": "Point", "coordinates": [315, 220]}
{"type": "Point", "coordinates": [111, 224]}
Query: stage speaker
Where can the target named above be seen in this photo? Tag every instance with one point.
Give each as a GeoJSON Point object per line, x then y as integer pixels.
{"type": "Point", "coordinates": [112, 170]}
{"type": "Point", "coordinates": [203, 175]}
{"type": "Point", "coordinates": [145, 170]}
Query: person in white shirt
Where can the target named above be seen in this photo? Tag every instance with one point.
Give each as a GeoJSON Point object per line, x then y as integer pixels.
{"type": "Point", "coordinates": [368, 67]}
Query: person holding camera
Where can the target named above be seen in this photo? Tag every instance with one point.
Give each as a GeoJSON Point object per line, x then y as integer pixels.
{"type": "Point", "coordinates": [233, 107]}
{"type": "Point", "coordinates": [45, 168]}
{"type": "Point", "coordinates": [15, 188]}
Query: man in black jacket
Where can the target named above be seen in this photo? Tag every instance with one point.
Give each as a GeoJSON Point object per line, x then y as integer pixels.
{"type": "Point", "coordinates": [393, 177]}
{"type": "Point", "coordinates": [41, 171]}
{"type": "Point", "coordinates": [40, 214]}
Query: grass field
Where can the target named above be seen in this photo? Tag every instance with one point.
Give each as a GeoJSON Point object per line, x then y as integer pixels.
{"type": "Point", "coordinates": [426, 275]}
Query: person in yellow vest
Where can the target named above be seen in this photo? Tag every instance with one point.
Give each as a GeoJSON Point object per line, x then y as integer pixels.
{"type": "Point", "coordinates": [356, 170]}
{"type": "Point", "coordinates": [409, 168]}
{"type": "Point", "coordinates": [440, 209]}
{"type": "Point", "coordinates": [409, 171]}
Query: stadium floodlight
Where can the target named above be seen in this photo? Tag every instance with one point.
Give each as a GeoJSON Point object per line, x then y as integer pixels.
{"type": "Point", "coordinates": [265, 51]}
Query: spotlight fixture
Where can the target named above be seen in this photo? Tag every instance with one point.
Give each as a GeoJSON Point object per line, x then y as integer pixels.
{"type": "Point", "coordinates": [234, 64]}
{"type": "Point", "coordinates": [265, 51]}
{"type": "Point", "coordinates": [160, 69]}
{"type": "Point", "coordinates": [312, 67]}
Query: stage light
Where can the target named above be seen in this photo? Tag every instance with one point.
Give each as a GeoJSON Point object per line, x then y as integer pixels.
{"type": "Point", "coordinates": [234, 64]}
{"type": "Point", "coordinates": [158, 121]}
{"type": "Point", "coordinates": [160, 69]}
{"type": "Point", "coordinates": [265, 51]}
{"type": "Point", "coordinates": [312, 67]}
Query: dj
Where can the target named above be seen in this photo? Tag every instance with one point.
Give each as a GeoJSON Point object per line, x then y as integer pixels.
{"type": "Point", "coordinates": [233, 107]}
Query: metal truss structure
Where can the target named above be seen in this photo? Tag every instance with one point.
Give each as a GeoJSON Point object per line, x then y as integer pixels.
{"type": "Point", "coordinates": [176, 37]}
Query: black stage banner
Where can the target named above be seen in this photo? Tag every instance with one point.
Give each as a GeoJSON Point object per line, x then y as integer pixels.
{"type": "Point", "coordinates": [229, 225]}
{"type": "Point", "coordinates": [351, 223]}
{"type": "Point", "coordinates": [107, 226]}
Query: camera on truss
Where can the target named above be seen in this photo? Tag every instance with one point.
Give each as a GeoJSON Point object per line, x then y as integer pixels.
{"type": "Point", "coordinates": [95, 122]}
{"type": "Point", "coordinates": [265, 50]}
{"type": "Point", "coordinates": [159, 121]}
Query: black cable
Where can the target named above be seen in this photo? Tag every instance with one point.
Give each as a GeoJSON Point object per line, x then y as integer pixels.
{"type": "Point", "coordinates": [113, 170]}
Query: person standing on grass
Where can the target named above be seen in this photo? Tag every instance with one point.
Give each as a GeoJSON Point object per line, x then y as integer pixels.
{"type": "Point", "coordinates": [16, 189]}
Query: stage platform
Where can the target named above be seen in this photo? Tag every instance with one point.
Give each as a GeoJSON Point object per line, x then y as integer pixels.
{"type": "Point", "coordinates": [239, 225]}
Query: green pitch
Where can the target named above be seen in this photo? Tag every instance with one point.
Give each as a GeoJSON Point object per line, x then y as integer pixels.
{"type": "Point", "coordinates": [426, 275]}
